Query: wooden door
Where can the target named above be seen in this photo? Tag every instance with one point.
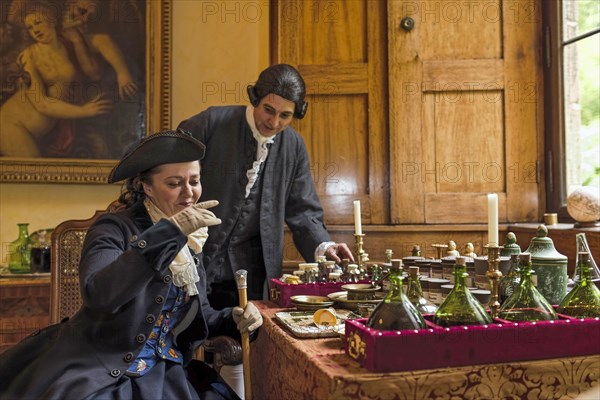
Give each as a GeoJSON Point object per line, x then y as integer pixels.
{"type": "Point", "coordinates": [339, 48]}
{"type": "Point", "coordinates": [464, 97]}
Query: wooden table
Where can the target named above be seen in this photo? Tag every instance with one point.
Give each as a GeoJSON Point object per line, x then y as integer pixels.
{"type": "Point", "coordinates": [24, 308]}
{"type": "Point", "coordinates": [285, 367]}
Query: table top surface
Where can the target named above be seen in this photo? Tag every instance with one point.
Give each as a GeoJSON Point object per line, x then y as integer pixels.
{"type": "Point", "coordinates": [307, 368]}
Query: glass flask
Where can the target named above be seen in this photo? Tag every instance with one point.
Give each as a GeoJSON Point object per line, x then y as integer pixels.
{"type": "Point", "coordinates": [526, 303]}
{"type": "Point", "coordinates": [19, 252]}
{"type": "Point", "coordinates": [583, 247]}
{"type": "Point", "coordinates": [415, 293]}
{"type": "Point", "coordinates": [584, 300]}
{"type": "Point", "coordinates": [396, 312]}
{"type": "Point", "coordinates": [509, 281]}
{"type": "Point", "coordinates": [460, 306]}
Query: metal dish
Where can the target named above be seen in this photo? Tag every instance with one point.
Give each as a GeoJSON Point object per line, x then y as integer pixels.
{"type": "Point", "coordinates": [310, 303]}
{"type": "Point", "coordinates": [310, 300]}
{"type": "Point", "coordinates": [361, 291]}
{"type": "Point", "coordinates": [341, 299]}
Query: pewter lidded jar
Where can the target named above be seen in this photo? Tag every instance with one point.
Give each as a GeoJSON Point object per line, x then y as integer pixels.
{"type": "Point", "coordinates": [549, 265]}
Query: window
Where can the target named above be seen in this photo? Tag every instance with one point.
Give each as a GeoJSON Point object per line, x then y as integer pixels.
{"type": "Point", "coordinates": [572, 98]}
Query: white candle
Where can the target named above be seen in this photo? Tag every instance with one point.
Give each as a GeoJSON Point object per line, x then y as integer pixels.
{"type": "Point", "coordinates": [493, 218]}
{"type": "Point", "coordinates": [357, 223]}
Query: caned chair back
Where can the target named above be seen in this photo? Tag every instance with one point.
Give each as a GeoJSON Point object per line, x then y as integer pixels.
{"type": "Point", "coordinates": [67, 242]}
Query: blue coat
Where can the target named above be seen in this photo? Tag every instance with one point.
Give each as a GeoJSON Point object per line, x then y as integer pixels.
{"type": "Point", "coordinates": [125, 278]}
{"type": "Point", "coordinates": [288, 192]}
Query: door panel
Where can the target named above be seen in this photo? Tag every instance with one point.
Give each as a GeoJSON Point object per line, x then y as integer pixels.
{"type": "Point", "coordinates": [340, 49]}
{"type": "Point", "coordinates": [462, 121]}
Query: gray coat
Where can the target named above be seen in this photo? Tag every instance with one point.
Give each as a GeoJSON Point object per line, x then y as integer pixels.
{"type": "Point", "coordinates": [288, 191]}
{"type": "Point", "coordinates": [125, 278]}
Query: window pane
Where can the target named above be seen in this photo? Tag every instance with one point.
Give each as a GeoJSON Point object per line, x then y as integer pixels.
{"type": "Point", "coordinates": [580, 17]}
{"type": "Point", "coordinates": [581, 65]}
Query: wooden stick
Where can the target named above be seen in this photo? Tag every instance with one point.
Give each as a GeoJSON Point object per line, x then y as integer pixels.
{"type": "Point", "coordinates": [240, 278]}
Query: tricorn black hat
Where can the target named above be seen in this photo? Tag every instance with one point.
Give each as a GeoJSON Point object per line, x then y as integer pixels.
{"type": "Point", "coordinates": [164, 147]}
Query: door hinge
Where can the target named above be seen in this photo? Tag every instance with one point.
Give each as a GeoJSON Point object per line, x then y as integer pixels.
{"type": "Point", "coordinates": [548, 47]}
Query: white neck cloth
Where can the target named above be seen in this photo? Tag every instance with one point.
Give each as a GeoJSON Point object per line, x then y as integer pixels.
{"type": "Point", "coordinates": [183, 266]}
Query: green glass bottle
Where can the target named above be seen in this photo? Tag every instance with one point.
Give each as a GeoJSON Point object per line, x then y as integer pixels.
{"type": "Point", "coordinates": [396, 312]}
{"type": "Point", "coordinates": [509, 281]}
{"type": "Point", "coordinates": [19, 252]}
{"type": "Point", "coordinates": [415, 293]}
{"type": "Point", "coordinates": [526, 303]}
{"type": "Point", "coordinates": [584, 300]}
{"type": "Point", "coordinates": [460, 306]}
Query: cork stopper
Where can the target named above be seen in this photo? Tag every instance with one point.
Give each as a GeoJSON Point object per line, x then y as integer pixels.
{"type": "Point", "coordinates": [413, 271]}
{"type": "Point", "coordinates": [525, 257]}
{"type": "Point", "coordinates": [396, 264]}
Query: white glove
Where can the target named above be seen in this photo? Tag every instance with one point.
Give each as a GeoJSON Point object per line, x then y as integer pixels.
{"type": "Point", "coordinates": [195, 217]}
{"type": "Point", "coordinates": [248, 319]}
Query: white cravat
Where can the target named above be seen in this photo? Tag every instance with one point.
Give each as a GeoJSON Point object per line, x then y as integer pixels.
{"type": "Point", "coordinates": [183, 266]}
{"type": "Point", "coordinates": [262, 150]}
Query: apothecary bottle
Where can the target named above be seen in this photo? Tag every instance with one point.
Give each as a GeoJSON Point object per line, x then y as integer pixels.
{"type": "Point", "coordinates": [509, 281]}
{"type": "Point", "coordinates": [415, 293]}
{"type": "Point", "coordinates": [526, 303]}
{"type": "Point", "coordinates": [396, 312]}
{"type": "Point", "coordinates": [549, 265]}
{"type": "Point", "coordinates": [460, 306]}
{"type": "Point", "coordinates": [584, 247]}
{"type": "Point", "coordinates": [584, 300]}
{"type": "Point", "coordinates": [389, 253]}
{"type": "Point", "coordinates": [511, 246]}
{"type": "Point", "coordinates": [323, 274]}
{"type": "Point", "coordinates": [19, 252]}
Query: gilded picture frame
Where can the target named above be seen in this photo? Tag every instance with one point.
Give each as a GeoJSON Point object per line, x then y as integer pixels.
{"type": "Point", "coordinates": [153, 108]}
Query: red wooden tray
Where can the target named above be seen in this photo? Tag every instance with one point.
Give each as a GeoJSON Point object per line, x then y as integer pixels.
{"type": "Point", "coordinates": [501, 341]}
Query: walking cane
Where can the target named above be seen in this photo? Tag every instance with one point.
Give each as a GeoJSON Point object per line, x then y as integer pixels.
{"type": "Point", "coordinates": [240, 278]}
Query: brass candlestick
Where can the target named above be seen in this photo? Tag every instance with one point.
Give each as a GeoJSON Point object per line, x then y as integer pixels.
{"type": "Point", "coordinates": [493, 273]}
{"type": "Point", "coordinates": [359, 249]}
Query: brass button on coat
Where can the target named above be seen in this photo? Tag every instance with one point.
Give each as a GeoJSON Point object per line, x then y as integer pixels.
{"type": "Point", "coordinates": [141, 244]}
{"type": "Point", "coordinates": [133, 238]}
{"type": "Point", "coordinates": [115, 372]}
{"type": "Point", "coordinates": [150, 318]}
{"type": "Point", "coordinates": [159, 299]}
{"type": "Point", "coordinates": [140, 338]}
{"type": "Point", "coordinates": [128, 357]}
{"type": "Point", "coordinates": [167, 279]}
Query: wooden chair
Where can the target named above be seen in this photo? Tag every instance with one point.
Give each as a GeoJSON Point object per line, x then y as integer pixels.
{"type": "Point", "coordinates": [65, 298]}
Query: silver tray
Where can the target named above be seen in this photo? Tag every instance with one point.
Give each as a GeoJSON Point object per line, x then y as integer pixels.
{"type": "Point", "coordinates": [301, 324]}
